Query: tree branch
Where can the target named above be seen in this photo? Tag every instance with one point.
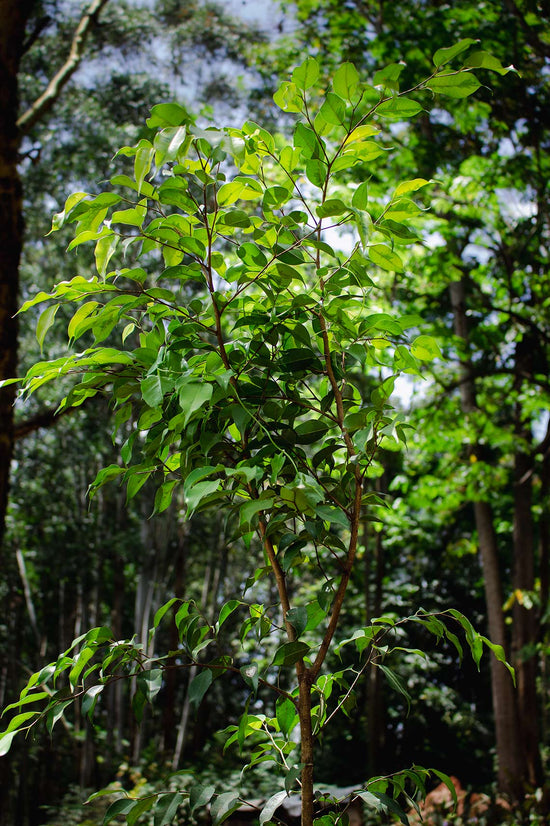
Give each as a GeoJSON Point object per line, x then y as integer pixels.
{"type": "Point", "coordinates": [46, 100]}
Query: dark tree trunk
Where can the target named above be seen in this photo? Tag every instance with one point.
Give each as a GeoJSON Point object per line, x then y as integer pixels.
{"type": "Point", "coordinates": [511, 765]}
{"type": "Point", "coordinates": [13, 16]}
{"type": "Point", "coordinates": [525, 624]}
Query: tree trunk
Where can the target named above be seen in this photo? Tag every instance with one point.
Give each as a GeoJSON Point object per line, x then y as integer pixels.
{"type": "Point", "coordinates": [374, 701]}
{"type": "Point", "coordinates": [14, 15]}
{"type": "Point", "coordinates": [524, 626]}
{"type": "Point", "coordinates": [511, 766]}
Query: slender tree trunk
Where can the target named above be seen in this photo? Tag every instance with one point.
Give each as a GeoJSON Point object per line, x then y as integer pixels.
{"type": "Point", "coordinates": [544, 528]}
{"type": "Point", "coordinates": [525, 625]}
{"type": "Point", "coordinates": [307, 748]}
{"type": "Point", "coordinates": [374, 704]}
{"type": "Point", "coordinates": [511, 766]}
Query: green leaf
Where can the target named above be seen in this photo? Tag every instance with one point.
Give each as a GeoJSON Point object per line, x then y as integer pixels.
{"type": "Point", "coordinates": [163, 610]}
{"type": "Point", "coordinates": [227, 610]}
{"type": "Point", "coordinates": [333, 109]}
{"type": "Point", "coordinates": [143, 161]}
{"type": "Point", "coordinates": [168, 114]}
{"type": "Point", "coordinates": [150, 683]}
{"type": "Point", "coordinates": [271, 806]}
{"type": "Point", "coordinates": [163, 495]}
{"type": "Point", "coordinates": [250, 509]}
{"type": "Point", "coordinates": [385, 258]}
{"type": "Point", "coordinates": [410, 186]}
{"type": "Point", "coordinates": [454, 85]}
{"type": "Point", "coordinates": [198, 687]}
{"type": "Point", "coordinates": [168, 142]}
{"type": "Point", "coordinates": [285, 712]}
{"type": "Point", "coordinates": [335, 516]}
{"type": "Point", "coordinates": [166, 807]}
{"type": "Point", "coordinates": [200, 795]}
{"type": "Point", "coordinates": [382, 803]}
{"type": "Point", "coordinates": [448, 782]}
{"type": "Point", "coordinates": [105, 249]}
{"type": "Point", "coordinates": [83, 658]}
{"type": "Point", "coordinates": [5, 741]}
{"type": "Point", "coordinates": [360, 197]}
{"type": "Point", "coordinates": [388, 77]}
{"type": "Point", "coordinates": [345, 81]}
{"type": "Point", "coordinates": [223, 806]}
{"type": "Point", "coordinates": [316, 172]}
{"type": "Point", "coordinates": [305, 75]}
{"type": "Point", "coordinates": [250, 674]}
{"type": "Point", "coordinates": [199, 492]}
{"type": "Point", "coordinates": [444, 56]}
{"type": "Point", "coordinates": [44, 323]}
{"type": "Point", "coordinates": [140, 807]}
{"type": "Point", "coordinates": [297, 617]}
{"type": "Point", "coordinates": [287, 98]}
{"type": "Point", "coordinates": [397, 108]}
{"type": "Point", "coordinates": [90, 699]}
{"type": "Point", "coordinates": [290, 652]}
{"type": "Point", "coordinates": [192, 397]}
{"type": "Point", "coordinates": [485, 60]}
{"type": "Point", "coordinates": [395, 682]}
{"type": "Point", "coordinates": [425, 348]}
{"type": "Point", "coordinates": [119, 807]}
{"type": "Point", "coordinates": [331, 207]}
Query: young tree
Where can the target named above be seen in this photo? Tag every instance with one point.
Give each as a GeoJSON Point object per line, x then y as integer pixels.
{"type": "Point", "coordinates": [245, 336]}
{"type": "Point", "coordinates": [484, 290]}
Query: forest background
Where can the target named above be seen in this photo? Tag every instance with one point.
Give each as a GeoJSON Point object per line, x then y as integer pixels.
{"type": "Point", "coordinates": [468, 526]}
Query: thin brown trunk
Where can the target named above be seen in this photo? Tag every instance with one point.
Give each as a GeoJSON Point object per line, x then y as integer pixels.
{"type": "Point", "coordinates": [511, 767]}
{"type": "Point", "coordinates": [307, 749]}
{"type": "Point", "coordinates": [374, 706]}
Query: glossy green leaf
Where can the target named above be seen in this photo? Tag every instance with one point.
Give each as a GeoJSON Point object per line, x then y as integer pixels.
{"type": "Point", "coordinates": [485, 60]}
{"type": "Point", "coordinates": [305, 75]}
{"type": "Point", "coordinates": [454, 85]}
{"type": "Point", "coordinates": [290, 652]}
{"type": "Point", "coordinates": [345, 81]}
{"type": "Point", "coordinates": [385, 258]}
{"type": "Point", "coordinates": [47, 318]}
{"type": "Point", "coordinates": [119, 807]}
{"type": "Point", "coordinates": [398, 108]}
{"type": "Point", "coordinates": [271, 806]}
{"type": "Point", "coordinates": [223, 806]}
{"type": "Point", "coordinates": [425, 348]}
{"type": "Point", "coordinates": [444, 56]}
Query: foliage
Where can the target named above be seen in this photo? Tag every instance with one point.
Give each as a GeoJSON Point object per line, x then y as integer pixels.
{"type": "Point", "coordinates": [238, 375]}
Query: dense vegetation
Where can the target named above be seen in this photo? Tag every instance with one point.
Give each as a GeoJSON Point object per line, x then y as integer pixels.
{"type": "Point", "coordinates": [433, 221]}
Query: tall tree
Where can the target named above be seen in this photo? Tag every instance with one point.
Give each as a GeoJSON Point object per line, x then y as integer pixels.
{"type": "Point", "coordinates": [15, 38]}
